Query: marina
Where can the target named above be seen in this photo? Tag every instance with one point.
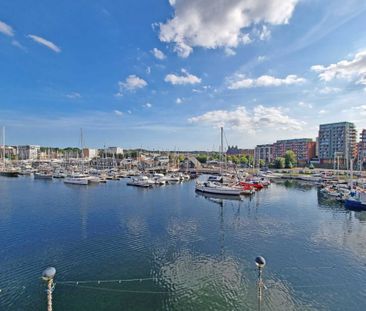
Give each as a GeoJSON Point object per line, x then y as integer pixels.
{"type": "Point", "coordinates": [178, 239]}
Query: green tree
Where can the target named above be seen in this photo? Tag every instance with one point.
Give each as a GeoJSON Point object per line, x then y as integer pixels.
{"type": "Point", "coordinates": [235, 159]}
{"type": "Point", "coordinates": [262, 163]}
{"type": "Point", "coordinates": [243, 160]}
{"type": "Point", "coordinates": [202, 158]}
{"type": "Point", "coordinates": [250, 160]}
{"type": "Point", "coordinates": [290, 158]}
{"type": "Point", "coordinates": [279, 162]}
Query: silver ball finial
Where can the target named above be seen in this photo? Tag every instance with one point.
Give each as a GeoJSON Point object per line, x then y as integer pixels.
{"type": "Point", "coordinates": [260, 262]}
{"type": "Point", "coordinates": [49, 273]}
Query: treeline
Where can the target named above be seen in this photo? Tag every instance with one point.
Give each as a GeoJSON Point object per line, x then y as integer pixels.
{"type": "Point", "coordinates": [245, 160]}
{"type": "Point", "coordinates": [288, 161]}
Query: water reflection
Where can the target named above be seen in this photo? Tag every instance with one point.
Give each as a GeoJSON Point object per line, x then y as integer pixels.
{"type": "Point", "coordinates": [296, 184]}
{"type": "Point", "coordinates": [200, 247]}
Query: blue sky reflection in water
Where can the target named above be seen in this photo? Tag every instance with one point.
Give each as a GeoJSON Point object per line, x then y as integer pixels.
{"type": "Point", "coordinates": [201, 251]}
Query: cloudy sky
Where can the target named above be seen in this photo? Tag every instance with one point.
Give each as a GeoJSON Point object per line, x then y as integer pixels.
{"type": "Point", "coordinates": [167, 74]}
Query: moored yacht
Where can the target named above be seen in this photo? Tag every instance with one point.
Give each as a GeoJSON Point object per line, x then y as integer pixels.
{"type": "Point", "coordinates": [42, 175]}
{"type": "Point", "coordinates": [77, 179]}
{"type": "Point", "coordinates": [217, 188]}
{"type": "Point", "coordinates": [140, 181]}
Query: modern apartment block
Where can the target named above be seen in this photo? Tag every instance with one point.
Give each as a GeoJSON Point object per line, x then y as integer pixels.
{"type": "Point", "coordinates": [337, 140]}
{"type": "Point", "coordinates": [362, 147]}
{"type": "Point", "coordinates": [263, 152]}
{"type": "Point", "coordinates": [304, 148]}
{"type": "Point", "coordinates": [29, 152]}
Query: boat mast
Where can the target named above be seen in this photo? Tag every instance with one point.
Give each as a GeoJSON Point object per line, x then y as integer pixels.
{"type": "Point", "coordinates": [221, 148]}
{"type": "Point", "coordinates": [82, 151]}
{"type": "Point", "coordinates": [4, 146]}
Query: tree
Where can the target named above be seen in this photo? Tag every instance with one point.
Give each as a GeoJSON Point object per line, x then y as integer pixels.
{"type": "Point", "coordinates": [202, 158]}
{"type": "Point", "coordinates": [243, 160]}
{"type": "Point", "coordinates": [262, 163]}
{"type": "Point", "coordinates": [290, 158]}
{"type": "Point", "coordinates": [279, 163]}
{"type": "Point", "coordinates": [250, 159]}
{"type": "Point", "coordinates": [235, 159]}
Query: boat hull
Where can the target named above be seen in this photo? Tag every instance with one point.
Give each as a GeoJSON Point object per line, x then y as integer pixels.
{"type": "Point", "coordinates": [41, 176]}
{"type": "Point", "coordinates": [213, 190]}
{"type": "Point", "coordinates": [355, 205]}
{"type": "Point", "coordinates": [9, 174]}
{"type": "Point", "coordinates": [76, 181]}
{"type": "Point", "coordinates": [137, 184]}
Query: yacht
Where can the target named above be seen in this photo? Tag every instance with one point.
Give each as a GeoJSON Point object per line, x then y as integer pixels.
{"type": "Point", "coordinates": [77, 179]}
{"type": "Point", "coordinates": [159, 179]}
{"type": "Point", "coordinates": [42, 175]}
{"type": "Point", "coordinates": [172, 178]}
{"type": "Point", "coordinates": [140, 181]}
{"type": "Point", "coordinates": [217, 188]}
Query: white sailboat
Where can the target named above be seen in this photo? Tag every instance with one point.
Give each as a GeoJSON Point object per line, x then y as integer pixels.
{"type": "Point", "coordinates": [78, 178]}
{"type": "Point", "coordinates": [216, 188]}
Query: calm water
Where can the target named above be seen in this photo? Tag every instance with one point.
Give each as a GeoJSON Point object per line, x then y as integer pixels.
{"type": "Point", "coordinates": [200, 251]}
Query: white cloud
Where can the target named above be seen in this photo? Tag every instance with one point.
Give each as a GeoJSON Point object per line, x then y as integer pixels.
{"type": "Point", "coordinates": [305, 105]}
{"type": "Point", "coordinates": [18, 44]}
{"type": "Point", "coordinates": [186, 78]}
{"type": "Point", "coordinates": [45, 43]}
{"type": "Point", "coordinates": [329, 90]}
{"type": "Point", "coordinates": [322, 111]}
{"type": "Point", "coordinates": [241, 81]}
{"type": "Point", "coordinates": [354, 69]}
{"type": "Point", "coordinates": [229, 51]}
{"type": "Point", "coordinates": [147, 105]}
{"type": "Point", "coordinates": [118, 113]}
{"type": "Point", "coordinates": [221, 23]}
{"type": "Point", "coordinates": [73, 95]}
{"type": "Point", "coordinates": [6, 29]}
{"type": "Point", "coordinates": [131, 83]}
{"type": "Point", "coordinates": [158, 54]}
{"type": "Point", "coordinates": [179, 101]}
{"type": "Point", "coordinates": [356, 110]}
{"type": "Point", "coordinates": [264, 33]}
{"type": "Point", "coordinates": [260, 117]}
{"type": "Point", "coordinates": [262, 58]}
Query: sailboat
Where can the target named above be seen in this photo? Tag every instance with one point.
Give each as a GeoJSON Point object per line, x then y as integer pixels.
{"type": "Point", "coordinates": [7, 172]}
{"type": "Point", "coordinates": [78, 178]}
{"type": "Point", "coordinates": [216, 187]}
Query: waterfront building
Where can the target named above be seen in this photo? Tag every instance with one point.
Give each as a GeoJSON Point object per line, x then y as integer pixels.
{"type": "Point", "coordinates": [10, 152]}
{"type": "Point", "coordinates": [304, 148]}
{"type": "Point", "coordinates": [28, 152]}
{"type": "Point", "coordinates": [114, 151]}
{"type": "Point", "coordinates": [234, 150]}
{"type": "Point", "coordinates": [362, 148]}
{"type": "Point", "coordinates": [89, 153]}
{"type": "Point", "coordinates": [337, 141]}
{"type": "Point", "coordinates": [264, 152]}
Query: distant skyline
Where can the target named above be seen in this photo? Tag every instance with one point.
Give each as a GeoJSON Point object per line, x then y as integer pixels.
{"type": "Point", "coordinates": [167, 74]}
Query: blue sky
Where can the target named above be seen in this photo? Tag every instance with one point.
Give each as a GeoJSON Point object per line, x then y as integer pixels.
{"type": "Point", "coordinates": [167, 74]}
